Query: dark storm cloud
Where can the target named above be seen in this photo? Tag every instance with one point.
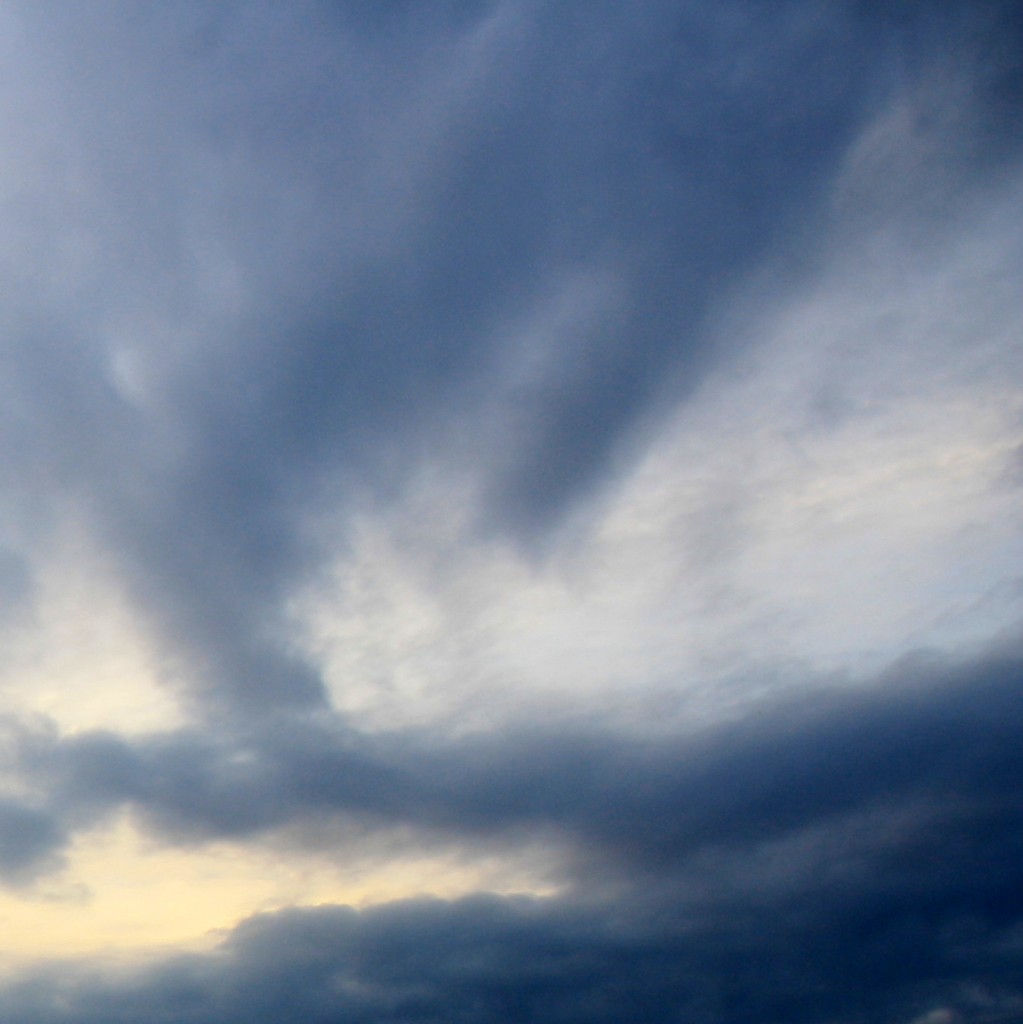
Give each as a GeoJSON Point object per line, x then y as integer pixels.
{"type": "Point", "coordinates": [30, 842]}
{"type": "Point", "coordinates": [887, 951]}
{"type": "Point", "coordinates": [932, 749]}
{"type": "Point", "coordinates": [853, 856]}
{"type": "Point", "coordinates": [673, 143]}
{"type": "Point", "coordinates": [855, 862]}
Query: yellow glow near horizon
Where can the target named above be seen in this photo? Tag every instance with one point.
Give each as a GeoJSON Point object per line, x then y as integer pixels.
{"type": "Point", "coordinates": [80, 655]}
{"type": "Point", "coordinates": [123, 894]}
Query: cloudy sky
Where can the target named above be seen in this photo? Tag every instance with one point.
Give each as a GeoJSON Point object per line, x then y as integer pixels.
{"type": "Point", "coordinates": [510, 510]}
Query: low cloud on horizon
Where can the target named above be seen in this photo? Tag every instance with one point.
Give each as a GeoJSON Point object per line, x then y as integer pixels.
{"type": "Point", "coordinates": [511, 511]}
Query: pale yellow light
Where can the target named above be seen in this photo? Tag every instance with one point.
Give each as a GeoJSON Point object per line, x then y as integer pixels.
{"type": "Point", "coordinates": [123, 894]}
{"type": "Point", "coordinates": [80, 655]}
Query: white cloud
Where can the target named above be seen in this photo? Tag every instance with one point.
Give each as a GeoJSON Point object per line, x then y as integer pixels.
{"type": "Point", "coordinates": [838, 493]}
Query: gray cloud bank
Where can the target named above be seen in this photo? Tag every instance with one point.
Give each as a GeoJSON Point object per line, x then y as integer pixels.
{"type": "Point", "coordinates": [914, 740]}
{"type": "Point", "coordinates": [848, 858]}
{"type": "Point", "coordinates": [267, 262]}
{"type": "Point", "coordinates": [489, 959]}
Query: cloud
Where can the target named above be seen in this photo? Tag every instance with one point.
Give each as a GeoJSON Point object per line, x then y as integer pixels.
{"type": "Point", "coordinates": [567, 449]}
{"type": "Point", "coordinates": [850, 853]}
{"type": "Point", "coordinates": [251, 320]}
{"type": "Point", "coordinates": [928, 740]}
{"type": "Point", "coordinates": [29, 841]}
{"type": "Point", "coordinates": [285, 298]}
{"type": "Point", "coordinates": [860, 428]}
{"type": "Point", "coordinates": [488, 959]}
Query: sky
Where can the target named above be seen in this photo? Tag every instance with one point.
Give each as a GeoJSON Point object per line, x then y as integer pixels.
{"type": "Point", "coordinates": [510, 511]}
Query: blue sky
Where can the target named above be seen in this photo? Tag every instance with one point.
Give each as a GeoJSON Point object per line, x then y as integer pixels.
{"type": "Point", "coordinates": [511, 512]}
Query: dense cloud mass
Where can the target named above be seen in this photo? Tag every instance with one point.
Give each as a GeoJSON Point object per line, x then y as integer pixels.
{"type": "Point", "coordinates": [511, 511]}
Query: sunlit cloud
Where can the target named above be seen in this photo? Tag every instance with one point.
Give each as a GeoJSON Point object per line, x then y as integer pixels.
{"type": "Point", "coordinates": [837, 494]}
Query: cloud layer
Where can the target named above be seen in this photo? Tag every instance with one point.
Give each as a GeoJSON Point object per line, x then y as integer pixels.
{"type": "Point", "coordinates": [552, 472]}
